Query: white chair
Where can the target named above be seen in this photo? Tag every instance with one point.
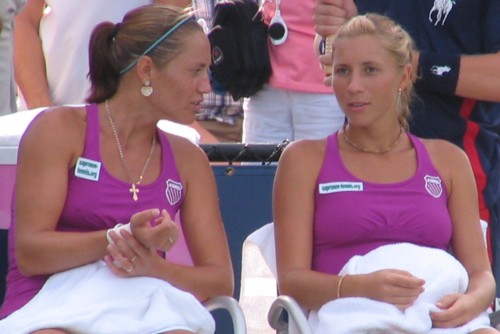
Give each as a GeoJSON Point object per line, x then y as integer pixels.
{"type": "Point", "coordinates": [232, 306]}
{"type": "Point", "coordinates": [259, 289]}
{"type": "Point", "coordinates": [286, 316]}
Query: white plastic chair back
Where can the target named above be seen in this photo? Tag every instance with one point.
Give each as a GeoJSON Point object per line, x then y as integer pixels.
{"type": "Point", "coordinates": [259, 288]}
{"type": "Point", "coordinates": [258, 283]}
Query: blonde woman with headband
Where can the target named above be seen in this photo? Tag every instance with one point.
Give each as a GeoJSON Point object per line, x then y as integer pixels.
{"type": "Point", "coordinates": [98, 187]}
{"type": "Point", "coordinates": [365, 219]}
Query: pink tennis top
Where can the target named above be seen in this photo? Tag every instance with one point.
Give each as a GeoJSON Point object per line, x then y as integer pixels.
{"type": "Point", "coordinates": [354, 217]}
{"type": "Point", "coordinates": [96, 201]}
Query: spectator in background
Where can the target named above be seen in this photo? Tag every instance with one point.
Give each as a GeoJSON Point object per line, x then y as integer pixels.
{"type": "Point", "coordinates": [51, 57]}
{"type": "Point", "coordinates": [51, 52]}
{"type": "Point", "coordinates": [220, 114]}
{"type": "Point", "coordinates": [8, 96]}
{"type": "Point", "coordinates": [456, 78]}
{"type": "Point", "coordinates": [295, 104]}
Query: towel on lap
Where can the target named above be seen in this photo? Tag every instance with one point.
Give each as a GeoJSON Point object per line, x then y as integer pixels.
{"type": "Point", "coordinates": [91, 299]}
{"type": "Point", "coordinates": [442, 273]}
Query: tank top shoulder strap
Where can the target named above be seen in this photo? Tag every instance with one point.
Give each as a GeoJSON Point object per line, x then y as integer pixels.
{"type": "Point", "coordinates": [91, 149]}
{"type": "Point", "coordinates": [332, 154]}
{"type": "Point", "coordinates": [169, 170]}
{"type": "Point", "coordinates": [331, 158]}
{"type": "Point", "coordinates": [424, 161]}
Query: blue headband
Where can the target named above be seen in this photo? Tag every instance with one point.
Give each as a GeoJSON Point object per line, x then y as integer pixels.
{"type": "Point", "coordinates": [155, 44]}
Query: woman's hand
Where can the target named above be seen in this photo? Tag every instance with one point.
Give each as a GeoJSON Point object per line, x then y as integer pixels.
{"type": "Point", "coordinates": [127, 257]}
{"type": "Point", "coordinates": [134, 254]}
{"type": "Point", "coordinates": [329, 15]}
{"type": "Point", "coordinates": [396, 287]}
{"type": "Point", "coordinates": [456, 310]}
{"type": "Point", "coordinates": [154, 229]}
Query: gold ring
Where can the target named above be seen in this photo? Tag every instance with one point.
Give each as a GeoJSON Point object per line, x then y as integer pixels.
{"type": "Point", "coordinates": [129, 269]}
{"type": "Point", "coordinates": [133, 258]}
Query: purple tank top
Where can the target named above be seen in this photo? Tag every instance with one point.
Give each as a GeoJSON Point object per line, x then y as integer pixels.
{"type": "Point", "coordinates": [354, 217]}
{"type": "Point", "coordinates": [96, 201]}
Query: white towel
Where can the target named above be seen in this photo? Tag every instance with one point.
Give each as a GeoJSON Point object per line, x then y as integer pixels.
{"type": "Point", "coordinates": [441, 271]}
{"type": "Point", "coordinates": [91, 299]}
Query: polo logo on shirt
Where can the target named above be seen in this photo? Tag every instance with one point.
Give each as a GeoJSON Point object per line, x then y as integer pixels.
{"type": "Point", "coordinates": [173, 192]}
{"type": "Point", "coordinates": [441, 8]}
{"type": "Point", "coordinates": [335, 187]}
{"type": "Point", "coordinates": [440, 70]}
{"type": "Point", "coordinates": [433, 185]}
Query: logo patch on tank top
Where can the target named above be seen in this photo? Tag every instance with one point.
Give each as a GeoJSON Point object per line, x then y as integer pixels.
{"type": "Point", "coordinates": [173, 192]}
{"type": "Point", "coordinates": [335, 187]}
{"type": "Point", "coordinates": [87, 169]}
{"type": "Point", "coordinates": [433, 185]}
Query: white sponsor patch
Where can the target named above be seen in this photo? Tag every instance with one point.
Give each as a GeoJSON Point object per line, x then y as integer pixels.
{"type": "Point", "coordinates": [334, 187]}
{"type": "Point", "coordinates": [87, 169]}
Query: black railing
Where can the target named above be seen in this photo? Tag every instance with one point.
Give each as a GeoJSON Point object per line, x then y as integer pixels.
{"type": "Point", "coordinates": [239, 152]}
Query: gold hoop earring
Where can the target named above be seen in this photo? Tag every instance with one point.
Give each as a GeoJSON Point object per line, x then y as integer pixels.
{"type": "Point", "coordinates": [147, 90]}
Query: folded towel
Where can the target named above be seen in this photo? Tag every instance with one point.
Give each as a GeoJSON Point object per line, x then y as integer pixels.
{"type": "Point", "coordinates": [91, 299]}
{"type": "Point", "coordinates": [441, 271]}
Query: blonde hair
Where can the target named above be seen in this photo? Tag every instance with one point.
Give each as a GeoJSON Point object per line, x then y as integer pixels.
{"type": "Point", "coordinates": [395, 40]}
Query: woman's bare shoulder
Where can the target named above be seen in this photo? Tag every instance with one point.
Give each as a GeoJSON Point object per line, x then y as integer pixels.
{"type": "Point", "coordinates": [443, 150]}
{"type": "Point", "coordinates": [448, 158]}
{"type": "Point", "coordinates": [308, 150]}
{"type": "Point", "coordinates": [60, 129]}
{"type": "Point", "coordinates": [303, 157]}
{"type": "Point", "coordinates": [59, 120]}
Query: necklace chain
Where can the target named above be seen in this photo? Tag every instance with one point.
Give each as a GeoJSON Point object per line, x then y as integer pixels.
{"type": "Point", "coordinates": [134, 187]}
{"type": "Point", "coordinates": [366, 150]}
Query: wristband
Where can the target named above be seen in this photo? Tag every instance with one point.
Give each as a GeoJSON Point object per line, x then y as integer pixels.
{"type": "Point", "coordinates": [117, 229]}
{"type": "Point", "coordinates": [438, 72]}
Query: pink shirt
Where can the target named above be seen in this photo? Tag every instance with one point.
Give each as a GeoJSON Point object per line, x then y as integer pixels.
{"type": "Point", "coordinates": [353, 216]}
{"type": "Point", "coordinates": [295, 64]}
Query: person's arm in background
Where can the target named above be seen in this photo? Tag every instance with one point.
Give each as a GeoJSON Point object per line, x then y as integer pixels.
{"type": "Point", "coordinates": [478, 74]}
{"type": "Point", "coordinates": [329, 15]}
{"type": "Point", "coordinates": [29, 61]}
{"type": "Point", "coordinates": [477, 78]}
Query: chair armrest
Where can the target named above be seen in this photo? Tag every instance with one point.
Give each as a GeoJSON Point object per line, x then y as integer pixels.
{"type": "Point", "coordinates": [280, 322]}
{"type": "Point", "coordinates": [495, 319]}
{"type": "Point", "coordinates": [231, 305]}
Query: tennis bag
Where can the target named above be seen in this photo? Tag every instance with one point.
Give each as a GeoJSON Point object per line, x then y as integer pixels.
{"type": "Point", "coordinates": [240, 57]}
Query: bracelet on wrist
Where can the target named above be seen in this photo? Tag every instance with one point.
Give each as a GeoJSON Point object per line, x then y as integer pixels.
{"type": "Point", "coordinates": [339, 285]}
